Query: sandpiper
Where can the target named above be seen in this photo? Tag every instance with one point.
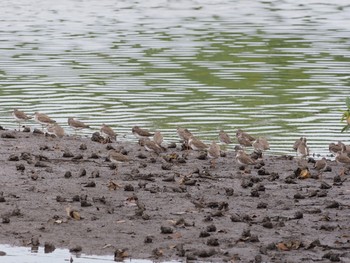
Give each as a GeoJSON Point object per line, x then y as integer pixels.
{"type": "Point", "coordinates": [320, 165]}
{"type": "Point", "coordinates": [141, 133]}
{"type": "Point", "coordinates": [243, 158]}
{"type": "Point", "coordinates": [151, 146]}
{"type": "Point", "coordinates": [43, 119]}
{"type": "Point", "coordinates": [117, 158]}
{"type": "Point", "coordinates": [158, 138]}
{"type": "Point", "coordinates": [244, 138]}
{"type": "Point", "coordinates": [184, 134]}
{"type": "Point", "coordinates": [303, 149]}
{"type": "Point", "coordinates": [297, 143]}
{"type": "Point", "coordinates": [55, 129]}
{"type": "Point", "coordinates": [108, 132]}
{"type": "Point", "coordinates": [196, 144]}
{"type": "Point", "coordinates": [20, 116]}
{"type": "Point", "coordinates": [224, 137]}
{"type": "Point", "coordinates": [261, 144]}
{"type": "Point", "coordinates": [213, 153]}
{"type": "Point", "coordinates": [76, 124]}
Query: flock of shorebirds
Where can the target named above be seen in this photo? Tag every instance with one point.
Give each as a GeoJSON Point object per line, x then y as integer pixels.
{"type": "Point", "coordinates": [153, 142]}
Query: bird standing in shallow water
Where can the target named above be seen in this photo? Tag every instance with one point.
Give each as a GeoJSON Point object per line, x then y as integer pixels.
{"type": "Point", "coordinates": [20, 116]}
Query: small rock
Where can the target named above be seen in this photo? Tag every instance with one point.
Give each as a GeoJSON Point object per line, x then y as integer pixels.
{"type": "Point", "coordinates": [261, 205]}
{"type": "Point", "coordinates": [267, 225]}
{"type": "Point", "coordinates": [2, 253]}
{"type": "Point", "coordinates": [94, 156]}
{"type": "Point", "coordinates": [211, 228]}
{"type": "Point", "coordinates": [254, 193]}
{"type": "Point", "coordinates": [96, 137]}
{"type": "Point", "coordinates": [49, 247]}
{"type": "Point", "coordinates": [324, 185]}
{"type": "Point", "coordinates": [75, 249]}
{"type": "Point", "coordinates": [229, 191]}
{"type": "Point", "coordinates": [166, 230]}
{"type": "Point", "coordinates": [26, 129]}
{"type": "Point", "coordinates": [37, 131]}
{"type": "Point", "coordinates": [13, 158]}
{"type": "Point", "coordinates": [129, 188]}
{"type": "Point", "coordinates": [148, 239]}
{"type": "Point", "coordinates": [82, 172]}
{"type": "Point", "coordinates": [40, 164]}
{"type": "Point", "coordinates": [8, 135]}
{"type": "Point", "coordinates": [166, 166]}
{"type": "Point", "coordinates": [172, 145]}
{"type": "Point", "coordinates": [202, 156]}
{"type": "Point", "coordinates": [85, 203]}
{"type": "Point", "coordinates": [333, 257]}
{"type": "Point", "coordinates": [298, 215]}
{"type": "Point", "coordinates": [78, 157]}
{"type": "Point", "coordinates": [67, 154]}
{"type": "Point", "coordinates": [20, 167]}
{"type": "Point", "coordinates": [204, 234]}
{"type": "Point", "coordinates": [82, 147]}
{"type": "Point", "coordinates": [90, 184]}
{"type": "Point", "coordinates": [141, 156]}
{"type": "Point", "coordinates": [5, 220]}
{"type": "Point", "coordinates": [95, 174]}
{"type": "Point", "coordinates": [60, 199]}
{"type": "Point", "coordinates": [68, 174]}
{"type": "Point", "coordinates": [214, 242]}
{"type": "Point", "coordinates": [333, 204]}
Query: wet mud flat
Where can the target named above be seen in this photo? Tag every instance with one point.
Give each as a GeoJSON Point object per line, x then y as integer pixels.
{"type": "Point", "coordinates": [65, 193]}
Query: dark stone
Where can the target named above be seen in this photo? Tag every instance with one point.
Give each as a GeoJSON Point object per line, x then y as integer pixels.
{"type": "Point", "coordinates": [211, 228]}
{"type": "Point", "coordinates": [298, 215]}
{"type": "Point", "coordinates": [90, 184]}
{"type": "Point", "coordinates": [166, 166]}
{"type": "Point", "coordinates": [324, 185]}
{"type": "Point", "coordinates": [8, 135]}
{"type": "Point", "coordinates": [129, 188]}
{"type": "Point", "coordinates": [82, 172]}
{"type": "Point", "coordinates": [229, 191]}
{"type": "Point", "coordinates": [40, 164]}
{"type": "Point", "coordinates": [204, 234]}
{"type": "Point", "coordinates": [166, 230]}
{"type": "Point", "coordinates": [82, 147]}
{"type": "Point", "coordinates": [20, 167]}
{"type": "Point", "coordinates": [148, 239]}
{"type": "Point", "coordinates": [13, 158]}
{"type": "Point", "coordinates": [333, 204]}
{"type": "Point", "coordinates": [75, 249]}
{"type": "Point", "coordinates": [78, 157]}
{"type": "Point", "coordinates": [261, 205]}
{"type": "Point", "coordinates": [38, 131]}
{"type": "Point", "coordinates": [95, 174]}
{"type": "Point", "coordinates": [67, 154]}
{"type": "Point", "coordinates": [68, 174]}
{"type": "Point", "coordinates": [214, 242]}
{"type": "Point", "coordinates": [49, 247]}
{"type": "Point", "coordinates": [96, 137]}
{"type": "Point", "coordinates": [94, 156]}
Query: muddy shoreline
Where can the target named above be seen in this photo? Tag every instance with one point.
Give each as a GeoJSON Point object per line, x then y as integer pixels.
{"type": "Point", "coordinates": [173, 206]}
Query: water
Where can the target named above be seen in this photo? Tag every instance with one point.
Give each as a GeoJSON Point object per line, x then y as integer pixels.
{"type": "Point", "coordinates": [25, 255]}
{"type": "Point", "coordinates": [274, 68]}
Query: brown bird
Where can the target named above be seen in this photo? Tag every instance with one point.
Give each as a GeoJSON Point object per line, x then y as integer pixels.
{"type": "Point", "coordinates": [108, 132]}
{"type": "Point", "coordinates": [20, 116]}
{"type": "Point", "coordinates": [321, 165]}
{"type": "Point", "coordinates": [184, 134]}
{"type": "Point", "coordinates": [141, 133]}
{"type": "Point", "coordinates": [76, 124]}
{"type": "Point", "coordinates": [224, 137]}
{"type": "Point", "coordinates": [213, 153]}
{"type": "Point", "coordinates": [158, 138]}
{"type": "Point", "coordinates": [55, 129]}
{"type": "Point", "coordinates": [261, 144]}
{"type": "Point", "coordinates": [43, 119]}
{"type": "Point", "coordinates": [196, 144]}
{"type": "Point", "coordinates": [151, 146]}
{"type": "Point", "coordinates": [342, 158]}
{"type": "Point", "coordinates": [296, 144]}
{"type": "Point", "coordinates": [243, 158]}
{"type": "Point", "coordinates": [303, 149]}
{"type": "Point", "coordinates": [244, 138]}
{"type": "Point", "coordinates": [117, 158]}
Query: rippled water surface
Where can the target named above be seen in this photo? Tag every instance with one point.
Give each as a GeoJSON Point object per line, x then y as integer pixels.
{"type": "Point", "coordinates": [274, 68]}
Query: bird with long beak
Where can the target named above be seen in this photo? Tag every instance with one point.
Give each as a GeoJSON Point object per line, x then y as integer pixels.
{"type": "Point", "coordinates": [303, 149]}
{"type": "Point", "coordinates": [117, 158]}
{"type": "Point", "coordinates": [320, 166]}
{"type": "Point", "coordinates": [196, 144]}
{"type": "Point", "coordinates": [244, 159]}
